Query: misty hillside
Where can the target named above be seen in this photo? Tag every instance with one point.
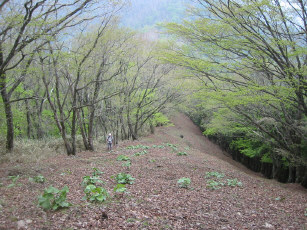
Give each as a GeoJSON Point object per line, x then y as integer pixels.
{"type": "Point", "coordinates": [144, 14]}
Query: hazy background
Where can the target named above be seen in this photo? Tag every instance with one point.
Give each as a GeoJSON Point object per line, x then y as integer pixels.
{"type": "Point", "coordinates": [142, 15]}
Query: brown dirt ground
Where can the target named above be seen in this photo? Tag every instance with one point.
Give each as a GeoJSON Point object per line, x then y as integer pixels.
{"type": "Point", "coordinates": [154, 200]}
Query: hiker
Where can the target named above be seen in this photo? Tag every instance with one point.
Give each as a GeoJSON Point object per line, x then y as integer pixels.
{"type": "Point", "coordinates": [109, 141]}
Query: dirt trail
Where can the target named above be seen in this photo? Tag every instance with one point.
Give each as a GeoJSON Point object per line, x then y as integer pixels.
{"type": "Point", "coordinates": [154, 200]}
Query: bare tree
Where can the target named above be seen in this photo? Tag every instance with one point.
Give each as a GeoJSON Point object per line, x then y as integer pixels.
{"type": "Point", "coordinates": [26, 27]}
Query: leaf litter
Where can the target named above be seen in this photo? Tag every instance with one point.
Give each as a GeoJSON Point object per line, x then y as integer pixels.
{"type": "Point", "coordinates": [154, 200]}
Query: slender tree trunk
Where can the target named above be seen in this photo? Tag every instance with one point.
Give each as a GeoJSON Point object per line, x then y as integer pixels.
{"type": "Point", "coordinates": [73, 132]}
{"type": "Point", "coordinates": [29, 120]}
{"type": "Point", "coordinates": [83, 133]}
{"type": "Point", "coordinates": [291, 176]}
{"type": "Point", "coordinates": [90, 129]}
{"type": "Point", "coordinates": [8, 113]}
{"type": "Point", "coordinates": [152, 127]}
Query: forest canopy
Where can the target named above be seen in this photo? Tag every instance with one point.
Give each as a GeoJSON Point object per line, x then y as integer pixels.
{"type": "Point", "coordinates": [250, 61]}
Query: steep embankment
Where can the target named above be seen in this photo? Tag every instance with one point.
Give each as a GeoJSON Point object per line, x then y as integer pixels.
{"type": "Point", "coordinates": [155, 200]}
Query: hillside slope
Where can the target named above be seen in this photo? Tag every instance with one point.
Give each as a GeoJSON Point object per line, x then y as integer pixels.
{"type": "Point", "coordinates": [155, 201]}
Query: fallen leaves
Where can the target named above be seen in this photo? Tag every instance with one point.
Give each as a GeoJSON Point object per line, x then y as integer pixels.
{"type": "Point", "coordinates": [155, 201]}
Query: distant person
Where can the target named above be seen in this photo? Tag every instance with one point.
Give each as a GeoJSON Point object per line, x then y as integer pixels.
{"type": "Point", "coordinates": [110, 141]}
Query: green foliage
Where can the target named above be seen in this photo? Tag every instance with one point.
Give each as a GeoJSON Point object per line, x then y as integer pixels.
{"type": "Point", "coordinates": [120, 188]}
{"type": "Point", "coordinates": [123, 158]}
{"type": "Point", "coordinates": [184, 182]}
{"type": "Point", "coordinates": [234, 182]}
{"type": "Point", "coordinates": [225, 60]}
{"type": "Point", "coordinates": [251, 147]}
{"type": "Point", "coordinates": [127, 164]}
{"type": "Point", "coordinates": [214, 174]}
{"type": "Point", "coordinates": [158, 146]}
{"type": "Point", "coordinates": [160, 119]}
{"type": "Point", "coordinates": [53, 198]}
{"type": "Point", "coordinates": [96, 172]}
{"type": "Point", "coordinates": [66, 172]}
{"type": "Point", "coordinates": [138, 147]}
{"type": "Point", "coordinates": [182, 154]}
{"type": "Point", "coordinates": [214, 185]}
{"type": "Point", "coordinates": [91, 180]}
{"type": "Point", "coordinates": [141, 153]}
{"type": "Point", "coordinates": [219, 182]}
{"type": "Point", "coordinates": [38, 179]}
{"type": "Point", "coordinates": [14, 180]}
{"type": "Point", "coordinates": [266, 158]}
{"type": "Point", "coordinates": [172, 146]}
{"type": "Point", "coordinates": [123, 178]}
{"type": "Point", "coordinates": [95, 194]}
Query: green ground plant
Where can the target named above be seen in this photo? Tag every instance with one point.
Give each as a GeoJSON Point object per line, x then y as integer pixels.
{"type": "Point", "coordinates": [214, 185]}
{"type": "Point", "coordinates": [38, 179]}
{"type": "Point", "coordinates": [138, 147]}
{"type": "Point", "coordinates": [91, 180]}
{"type": "Point", "coordinates": [182, 154]}
{"type": "Point", "coordinates": [123, 178]}
{"type": "Point", "coordinates": [66, 172]}
{"type": "Point", "coordinates": [123, 158]}
{"type": "Point", "coordinates": [141, 153]}
{"type": "Point", "coordinates": [96, 172]}
{"type": "Point", "coordinates": [127, 164]}
{"type": "Point", "coordinates": [14, 180]}
{"type": "Point", "coordinates": [214, 174]}
{"type": "Point", "coordinates": [234, 182]}
{"type": "Point", "coordinates": [95, 194]}
{"type": "Point", "coordinates": [53, 198]}
{"type": "Point", "coordinates": [172, 146]}
{"type": "Point", "coordinates": [120, 188]}
{"type": "Point", "coordinates": [218, 182]}
{"type": "Point", "coordinates": [184, 182]}
{"type": "Point", "coordinates": [158, 146]}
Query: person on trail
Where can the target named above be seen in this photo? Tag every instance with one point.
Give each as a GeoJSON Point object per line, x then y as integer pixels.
{"type": "Point", "coordinates": [110, 141]}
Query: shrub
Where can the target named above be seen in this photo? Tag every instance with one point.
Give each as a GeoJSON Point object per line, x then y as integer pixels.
{"type": "Point", "coordinates": [184, 182]}
{"type": "Point", "coordinates": [53, 198]}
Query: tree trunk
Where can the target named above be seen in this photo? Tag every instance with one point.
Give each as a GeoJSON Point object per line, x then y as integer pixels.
{"type": "Point", "coordinates": [8, 115]}
{"type": "Point", "coordinates": [29, 121]}
{"type": "Point", "coordinates": [73, 132]}
{"type": "Point", "coordinates": [152, 127]}
{"type": "Point", "coordinates": [300, 171]}
{"type": "Point", "coordinates": [83, 133]}
{"type": "Point", "coordinates": [90, 129]}
{"type": "Point", "coordinates": [291, 177]}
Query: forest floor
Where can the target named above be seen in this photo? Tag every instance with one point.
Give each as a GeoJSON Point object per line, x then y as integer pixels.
{"type": "Point", "coordinates": [154, 200]}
